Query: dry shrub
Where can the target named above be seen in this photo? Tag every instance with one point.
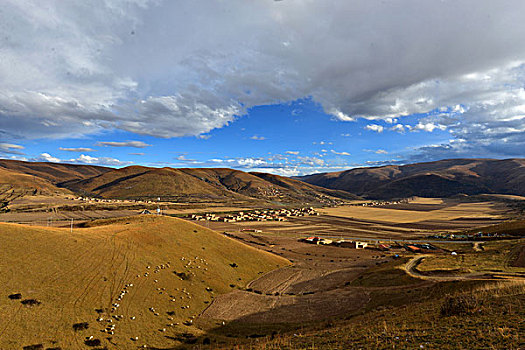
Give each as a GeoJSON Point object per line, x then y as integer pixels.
{"type": "Point", "coordinates": [80, 326]}
{"type": "Point", "coordinates": [33, 347]}
{"type": "Point", "coordinates": [466, 304]}
{"type": "Point", "coordinates": [92, 342]}
{"type": "Point", "coordinates": [30, 302]}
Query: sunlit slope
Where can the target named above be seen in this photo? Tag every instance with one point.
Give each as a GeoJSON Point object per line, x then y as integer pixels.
{"type": "Point", "coordinates": [53, 172]}
{"type": "Point", "coordinates": [441, 178]}
{"type": "Point", "coordinates": [14, 184]}
{"type": "Point", "coordinates": [201, 184]}
{"type": "Point", "coordinates": [79, 277]}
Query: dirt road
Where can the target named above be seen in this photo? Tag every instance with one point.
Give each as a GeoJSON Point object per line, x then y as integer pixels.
{"type": "Point", "coordinates": [440, 276]}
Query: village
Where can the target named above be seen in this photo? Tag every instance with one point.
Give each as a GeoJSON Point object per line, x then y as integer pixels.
{"type": "Point", "coordinates": [256, 215]}
{"type": "Point", "coordinates": [377, 245]}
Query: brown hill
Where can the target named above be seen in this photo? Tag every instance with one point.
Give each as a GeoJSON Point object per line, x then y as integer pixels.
{"type": "Point", "coordinates": [432, 179]}
{"type": "Point", "coordinates": [14, 185]}
{"type": "Point", "coordinates": [215, 184]}
{"type": "Point", "coordinates": [53, 172]}
{"type": "Point", "coordinates": [20, 179]}
{"type": "Point", "coordinates": [68, 290]}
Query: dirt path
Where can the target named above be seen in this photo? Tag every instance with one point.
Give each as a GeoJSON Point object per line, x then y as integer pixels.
{"type": "Point", "coordinates": [477, 247]}
{"type": "Point", "coordinates": [412, 264]}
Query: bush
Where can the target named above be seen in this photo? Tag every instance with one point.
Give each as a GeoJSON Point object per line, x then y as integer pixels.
{"type": "Point", "coordinates": [92, 342]}
{"type": "Point", "coordinates": [15, 296]}
{"type": "Point", "coordinates": [30, 302]}
{"type": "Point", "coordinates": [80, 326]}
{"type": "Point", "coordinates": [466, 304]}
{"type": "Point", "coordinates": [33, 347]}
{"type": "Point", "coordinates": [182, 275]}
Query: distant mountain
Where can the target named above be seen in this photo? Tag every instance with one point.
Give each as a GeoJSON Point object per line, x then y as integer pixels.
{"type": "Point", "coordinates": [200, 184]}
{"type": "Point", "coordinates": [185, 185]}
{"type": "Point", "coordinates": [442, 178]}
{"type": "Point", "coordinates": [53, 172]}
{"type": "Point", "coordinates": [18, 179]}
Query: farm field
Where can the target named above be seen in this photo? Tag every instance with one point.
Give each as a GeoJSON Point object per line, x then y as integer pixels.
{"type": "Point", "coordinates": [420, 218]}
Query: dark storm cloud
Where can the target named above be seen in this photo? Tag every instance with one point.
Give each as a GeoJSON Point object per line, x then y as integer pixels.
{"type": "Point", "coordinates": [170, 68]}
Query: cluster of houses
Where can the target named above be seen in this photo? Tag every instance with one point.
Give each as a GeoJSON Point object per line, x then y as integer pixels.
{"type": "Point", "coordinates": [469, 236]}
{"type": "Point", "coordinates": [381, 203]}
{"type": "Point", "coordinates": [103, 200]}
{"type": "Point", "coordinates": [421, 248]}
{"type": "Point", "coordinates": [257, 215]}
{"type": "Point", "coordinates": [341, 243]}
{"type": "Point", "coordinates": [410, 247]}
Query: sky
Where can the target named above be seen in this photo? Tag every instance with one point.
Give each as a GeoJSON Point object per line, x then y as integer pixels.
{"type": "Point", "coordinates": [289, 87]}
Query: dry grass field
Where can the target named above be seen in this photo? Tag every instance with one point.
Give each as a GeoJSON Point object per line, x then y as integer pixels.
{"type": "Point", "coordinates": [145, 277]}
{"type": "Point", "coordinates": [418, 213]}
{"type": "Point", "coordinates": [417, 219]}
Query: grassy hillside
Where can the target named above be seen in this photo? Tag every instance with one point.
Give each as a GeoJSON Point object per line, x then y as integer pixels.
{"type": "Point", "coordinates": [53, 172]}
{"type": "Point", "coordinates": [14, 184]}
{"type": "Point", "coordinates": [207, 184]}
{"type": "Point", "coordinates": [436, 179]}
{"type": "Point", "coordinates": [57, 284]}
{"type": "Point", "coordinates": [485, 317]}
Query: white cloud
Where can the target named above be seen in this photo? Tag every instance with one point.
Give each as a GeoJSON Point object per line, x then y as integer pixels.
{"type": "Point", "coordinates": [9, 148]}
{"type": "Point", "coordinates": [292, 152]}
{"type": "Point", "coordinates": [46, 157]}
{"type": "Point", "coordinates": [259, 138]}
{"type": "Point", "coordinates": [82, 159]}
{"type": "Point", "coordinates": [399, 128]}
{"type": "Point", "coordinates": [375, 127]}
{"type": "Point", "coordinates": [86, 159]}
{"type": "Point", "coordinates": [340, 153]}
{"type": "Point", "coordinates": [429, 126]}
{"type": "Point", "coordinates": [79, 149]}
{"type": "Point", "coordinates": [136, 144]}
{"type": "Point", "coordinates": [381, 151]}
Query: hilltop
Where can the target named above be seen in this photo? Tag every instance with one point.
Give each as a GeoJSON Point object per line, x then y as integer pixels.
{"type": "Point", "coordinates": [145, 277]}
{"type": "Point", "coordinates": [183, 185]}
{"type": "Point", "coordinates": [442, 178]}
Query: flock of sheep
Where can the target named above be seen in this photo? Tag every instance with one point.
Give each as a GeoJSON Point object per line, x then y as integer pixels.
{"type": "Point", "coordinates": [110, 321]}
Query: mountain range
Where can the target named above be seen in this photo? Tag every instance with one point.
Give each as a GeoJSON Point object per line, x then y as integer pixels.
{"type": "Point", "coordinates": [442, 178]}
{"type": "Point", "coordinates": [138, 182]}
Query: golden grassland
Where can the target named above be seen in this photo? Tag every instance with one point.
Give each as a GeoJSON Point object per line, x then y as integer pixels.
{"type": "Point", "coordinates": [483, 317]}
{"type": "Point", "coordinates": [492, 256]}
{"type": "Point", "coordinates": [77, 277]}
{"type": "Point", "coordinates": [460, 210]}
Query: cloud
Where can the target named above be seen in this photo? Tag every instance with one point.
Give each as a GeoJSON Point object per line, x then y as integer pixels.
{"type": "Point", "coordinates": [79, 149]}
{"type": "Point", "coordinates": [399, 128]}
{"type": "Point", "coordinates": [136, 144]}
{"type": "Point", "coordinates": [137, 154]}
{"type": "Point", "coordinates": [9, 148]}
{"type": "Point", "coordinates": [46, 157]}
{"type": "Point", "coordinates": [182, 158]}
{"type": "Point", "coordinates": [375, 127]}
{"type": "Point", "coordinates": [292, 152]}
{"type": "Point", "coordinates": [62, 79]}
{"type": "Point", "coordinates": [82, 159]}
{"type": "Point", "coordinates": [429, 127]}
{"type": "Point", "coordinates": [86, 159]}
{"type": "Point", "coordinates": [259, 138]}
{"type": "Point", "coordinates": [340, 153]}
{"type": "Point", "coordinates": [381, 151]}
